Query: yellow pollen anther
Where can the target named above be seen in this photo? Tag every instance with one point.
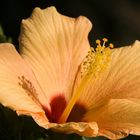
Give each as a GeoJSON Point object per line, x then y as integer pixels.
{"type": "Point", "coordinates": [28, 87]}
{"type": "Point", "coordinates": [111, 46]}
{"type": "Point", "coordinates": [105, 39]}
{"type": "Point", "coordinates": [98, 41]}
{"type": "Point", "coordinates": [96, 59]}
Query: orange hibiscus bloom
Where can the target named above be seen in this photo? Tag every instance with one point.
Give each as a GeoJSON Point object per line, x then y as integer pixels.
{"type": "Point", "coordinates": [66, 85]}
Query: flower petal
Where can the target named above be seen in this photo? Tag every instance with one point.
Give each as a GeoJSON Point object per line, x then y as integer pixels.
{"type": "Point", "coordinates": [120, 80]}
{"type": "Point", "coordinates": [81, 128]}
{"type": "Point", "coordinates": [117, 118]}
{"type": "Point", "coordinates": [18, 87]}
{"type": "Point", "coordinates": [54, 46]}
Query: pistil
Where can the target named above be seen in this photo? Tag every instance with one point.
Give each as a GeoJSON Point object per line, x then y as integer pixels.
{"type": "Point", "coordinates": [95, 62]}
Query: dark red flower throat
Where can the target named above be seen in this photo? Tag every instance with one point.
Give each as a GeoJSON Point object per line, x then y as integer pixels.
{"type": "Point", "coordinates": [58, 104]}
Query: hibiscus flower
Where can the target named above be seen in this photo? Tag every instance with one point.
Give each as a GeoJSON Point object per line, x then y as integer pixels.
{"type": "Point", "coordinates": [67, 86]}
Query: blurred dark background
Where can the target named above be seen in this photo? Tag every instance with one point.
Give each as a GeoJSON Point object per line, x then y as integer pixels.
{"type": "Point", "coordinates": [118, 20]}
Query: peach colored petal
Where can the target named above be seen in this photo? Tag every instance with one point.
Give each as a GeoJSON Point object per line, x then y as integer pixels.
{"type": "Point", "coordinates": [13, 94]}
{"type": "Point", "coordinates": [117, 118]}
{"type": "Point", "coordinates": [81, 128]}
{"type": "Point", "coordinates": [121, 80]}
{"type": "Point", "coordinates": [54, 45]}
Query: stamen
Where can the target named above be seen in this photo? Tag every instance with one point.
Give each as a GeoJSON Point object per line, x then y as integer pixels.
{"type": "Point", "coordinates": [95, 62]}
{"type": "Point", "coordinates": [87, 62]}
{"type": "Point", "coordinates": [73, 100]}
{"type": "Point", "coordinates": [28, 87]}
{"type": "Point", "coordinates": [98, 59]}
{"type": "Point", "coordinates": [111, 46]}
{"type": "Point", "coordinates": [98, 42]}
{"type": "Point", "coordinates": [104, 41]}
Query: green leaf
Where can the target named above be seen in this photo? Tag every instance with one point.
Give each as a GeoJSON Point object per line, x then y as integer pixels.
{"type": "Point", "coordinates": [94, 138]}
{"type": "Point", "coordinates": [3, 37]}
{"type": "Point", "coordinates": [75, 137]}
{"type": "Point", "coordinates": [13, 127]}
{"type": "Point", "coordinates": [41, 139]}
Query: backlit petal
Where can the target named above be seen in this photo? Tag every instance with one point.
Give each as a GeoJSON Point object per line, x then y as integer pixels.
{"type": "Point", "coordinates": [54, 46]}
{"type": "Point", "coordinates": [120, 80]}
{"type": "Point", "coordinates": [81, 128]}
{"type": "Point", "coordinates": [117, 118]}
{"type": "Point", "coordinates": [15, 91]}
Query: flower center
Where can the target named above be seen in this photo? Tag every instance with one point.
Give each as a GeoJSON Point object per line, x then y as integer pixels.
{"type": "Point", "coordinates": [95, 62]}
{"type": "Point", "coordinates": [77, 112]}
{"type": "Point", "coordinates": [57, 104]}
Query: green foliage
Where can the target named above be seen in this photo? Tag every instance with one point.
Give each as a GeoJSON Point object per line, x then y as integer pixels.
{"type": "Point", "coordinates": [96, 138]}
{"type": "Point", "coordinates": [13, 127]}
{"type": "Point", "coordinates": [3, 37]}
